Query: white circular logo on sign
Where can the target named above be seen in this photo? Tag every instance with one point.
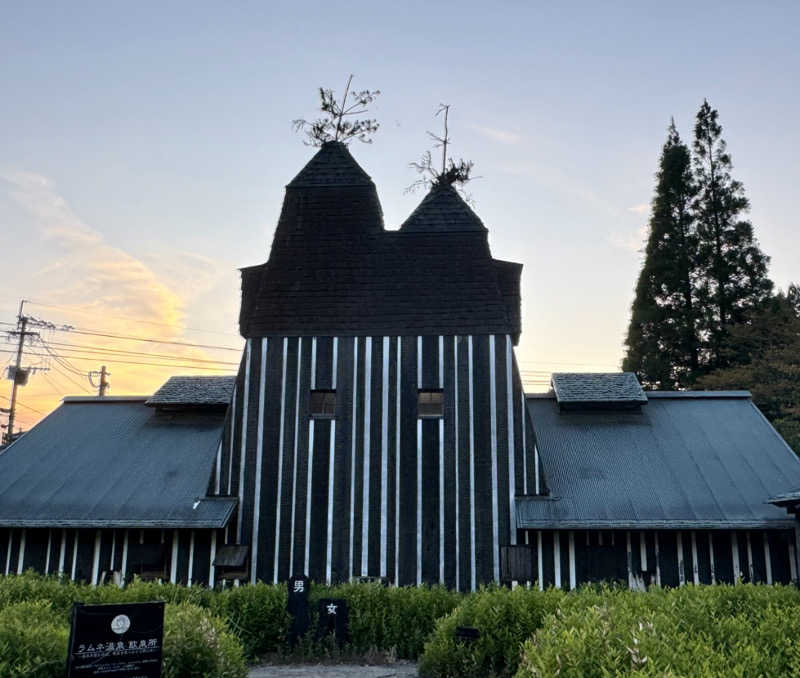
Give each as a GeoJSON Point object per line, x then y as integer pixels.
{"type": "Point", "coordinates": [120, 623]}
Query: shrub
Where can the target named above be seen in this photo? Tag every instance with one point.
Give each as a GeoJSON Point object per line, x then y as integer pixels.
{"type": "Point", "coordinates": [33, 641]}
{"type": "Point", "coordinates": [505, 619]}
{"type": "Point", "coordinates": [702, 632]}
{"type": "Point", "coordinates": [60, 593]}
{"type": "Point", "coordinates": [390, 619]}
{"type": "Point", "coordinates": [198, 645]}
{"type": "Point", "coordinates": [256, 614]}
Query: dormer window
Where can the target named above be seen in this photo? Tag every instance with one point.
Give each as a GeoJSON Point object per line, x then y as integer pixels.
{"type": "Point", "coordinates": [323, 404]}
{"type": "Point", "coordinates": [430, 404]}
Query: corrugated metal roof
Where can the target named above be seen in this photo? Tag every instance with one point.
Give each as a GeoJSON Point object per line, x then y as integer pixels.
{"type": "Point", "coordinates": [194, 390]}
{"type": "Point", "coordinates": [114, 463]}
{"type": "Point", "coordinates": [680, 462]}
{"type": "Point", "coordinates": [610, 388]}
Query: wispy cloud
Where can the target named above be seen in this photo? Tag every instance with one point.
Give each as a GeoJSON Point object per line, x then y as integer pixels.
{"type": "Point", "coordinates": [496, 134]}
{"type": "Point", "coordinates": [642, 208]}
{"type": "Point", "coordinates": [81, 278]}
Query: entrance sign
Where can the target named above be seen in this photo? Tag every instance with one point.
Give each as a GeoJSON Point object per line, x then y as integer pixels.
{"type": "Point", "coordinates": [120, 640]}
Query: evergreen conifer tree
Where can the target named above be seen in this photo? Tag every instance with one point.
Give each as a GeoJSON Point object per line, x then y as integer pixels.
{"type": "Point", "coordinates": [732, 269]}
{"type": "Point", "coordinates": [662, 345]}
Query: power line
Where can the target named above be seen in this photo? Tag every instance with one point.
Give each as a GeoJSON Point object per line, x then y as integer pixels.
{"type": "Point", "coordinates": [93, 333]}
{"type": "Point", "coordinates": [27, 407]}
{"type": "Point", "coordinates": [71, 380]}
{"type": "Point", "coordinates": [115, 351]}
{"type": "Point", "coordinates": [128, 317]}
{"type": "Point", "coordinates": [129, 362]}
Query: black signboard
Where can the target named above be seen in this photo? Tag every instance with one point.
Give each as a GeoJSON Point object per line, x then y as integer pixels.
{"type": "Point", "coordinates": [116, 640]}
{"type": "Point", "coordinates": [297, 606]}
{"type": "Point", "coordinates": [333, 618]}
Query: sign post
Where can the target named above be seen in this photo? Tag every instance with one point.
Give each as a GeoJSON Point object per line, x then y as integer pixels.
{"type": "Point", "coordinates": [120, 640]}
{"type": "Point", "coordinates": [334, 618]}
{"type": "Point", "coordinates": [297, 606]}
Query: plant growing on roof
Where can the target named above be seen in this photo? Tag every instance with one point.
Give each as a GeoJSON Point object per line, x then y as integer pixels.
{"type": "Point", "coordinates": [452, 173]}
{"type": "Point", "coordinates": [334, 126]}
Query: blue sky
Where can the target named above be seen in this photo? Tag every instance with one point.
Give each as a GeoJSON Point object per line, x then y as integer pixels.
{"type": "Point", "coordinates": [145, 146]}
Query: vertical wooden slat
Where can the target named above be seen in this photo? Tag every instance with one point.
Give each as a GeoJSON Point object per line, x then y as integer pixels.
{"type": "Point", "coordinates": [243, 447]}
{"type": "Point", "coordinates": [262, 392]}
{"type": "Point", "coordinates": [281, 439]}
{"type": "Point", "coordinates": [384, 503]}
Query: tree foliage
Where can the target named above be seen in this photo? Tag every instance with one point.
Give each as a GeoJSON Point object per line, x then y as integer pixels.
{"type": "Point", "coordinates": [703, 272]}
{"type": "Point", "coordinates": [764, 358]}
{"type": "Point", "coordinates": [334, 126]}
{"type": "Point", "coordinates": [451, 173]}
{"type": "Point", "coordinates": [732, 270]}
{"type": "Point", "coordinates": [662, 336]}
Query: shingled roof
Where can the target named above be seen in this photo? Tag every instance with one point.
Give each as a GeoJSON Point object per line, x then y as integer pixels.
{"type": "Point", "coordinates": [331, 166]}
{"type": "Point", "coordinates": [194, 391]}
{"type": "Point", "coordinates": [443, 210]}
{"type": "Point", "coordinates": [334, 270]}
{"type": "Point", "coordinates": [598, 389]}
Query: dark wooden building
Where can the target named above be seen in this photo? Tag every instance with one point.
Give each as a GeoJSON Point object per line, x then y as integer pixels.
{"type": "Point", "coordinates": [377, 428]}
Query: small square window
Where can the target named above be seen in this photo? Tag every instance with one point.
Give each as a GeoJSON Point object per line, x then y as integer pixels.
{"type": "Point", "coordinates": [430, 404]}
{"type": "Point", "coordinates": [323, 404]}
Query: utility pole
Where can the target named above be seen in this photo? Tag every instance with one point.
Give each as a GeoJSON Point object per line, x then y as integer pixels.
{"type": "Point", "coordinates": [22, 324]}
{"type": "Point", "coordinates": [101, 390]}
{"type": "Point", "coordinates": [102, 387]}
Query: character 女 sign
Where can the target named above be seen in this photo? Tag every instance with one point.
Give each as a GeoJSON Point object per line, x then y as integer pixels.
{"type": "Point", "coordinates": [116, 640]}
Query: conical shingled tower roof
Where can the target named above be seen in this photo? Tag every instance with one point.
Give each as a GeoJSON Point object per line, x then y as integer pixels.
{"type": "Point", "coordinates": [332, 166]}
{"type": "Point", "coordinates": [334, 270]}
{"type": "Point", "coordinates": [443, 210]}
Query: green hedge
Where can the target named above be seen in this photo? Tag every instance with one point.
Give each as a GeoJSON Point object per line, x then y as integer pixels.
{"type": "Point", "coordinates": [34, 636]}
{"type": "Point", "coordinates": [505, 619]}
{"type": "Point", "coordinates": [394, 621]}
{"type": "Point", "coordinates": [703, 632]}
{"type": "Point", "coordinates": [695, 632]}
{"type": "Point", "coordinates": [743, 630]}
{"type": "Point", "coordinates": [33, 641]}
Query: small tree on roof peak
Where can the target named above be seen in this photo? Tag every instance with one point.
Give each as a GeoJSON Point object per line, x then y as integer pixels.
{"type": "Point", "coordinates": [452, 173]}
{"type": "Point", "coordinates": [334, 127]}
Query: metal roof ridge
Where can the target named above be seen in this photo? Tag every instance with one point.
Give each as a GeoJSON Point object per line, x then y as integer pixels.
{"type": "Point", "coordinates": [105, 399]}
{"type": "Point", "coordinates": [699, 394]}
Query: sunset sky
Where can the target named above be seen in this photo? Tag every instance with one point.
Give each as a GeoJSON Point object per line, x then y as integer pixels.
{"type": "Point", "coordinates": [145, 147]}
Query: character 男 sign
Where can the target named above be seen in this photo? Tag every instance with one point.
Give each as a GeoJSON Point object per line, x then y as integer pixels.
{"type": "Point", "coordinates": [116, 640]}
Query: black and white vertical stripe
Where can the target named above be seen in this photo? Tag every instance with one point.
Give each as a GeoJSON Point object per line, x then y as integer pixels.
{"type": "Point", "coordinates": [377, 491]}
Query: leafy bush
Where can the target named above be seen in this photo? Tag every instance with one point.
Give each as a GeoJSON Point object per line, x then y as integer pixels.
{"type": "Point", "coordinates": [697, 632]}
{"type": "Point", "coordinates": [390, 619]}
{"type": "Point", "coordinates": [504, 617]}
{"type": "Point", "coordinates": [256, 614]}
{"type": "Point", "coordinates": [198, 645]}
{"type": "Point", "coordinates": [60, 593]}
{"type": "Point", "coordinates": [33, 641]}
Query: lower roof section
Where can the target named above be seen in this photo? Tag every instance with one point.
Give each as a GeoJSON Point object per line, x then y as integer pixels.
{"type": "Point", "coordinates": [681, 462]}
{"type": "Point", "coordinates": [114, 463]}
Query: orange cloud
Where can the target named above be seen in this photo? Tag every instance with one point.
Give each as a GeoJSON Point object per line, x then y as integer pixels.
{"type": "Point", "coordinates": [91, 284]}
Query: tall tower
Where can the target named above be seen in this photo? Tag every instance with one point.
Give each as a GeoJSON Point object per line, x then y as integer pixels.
{"type": "Point", "coordinates": [378, 425]}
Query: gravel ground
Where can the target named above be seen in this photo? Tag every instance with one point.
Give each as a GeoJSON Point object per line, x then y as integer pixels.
{"type": "Point", "coordinates": [398, 670]}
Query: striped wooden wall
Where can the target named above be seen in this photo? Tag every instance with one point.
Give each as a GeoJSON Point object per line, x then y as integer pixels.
{"type": "Point", "coordinates": [93, 555]}
{"type": "Point", "coordinates": [568, 558]}
{"type": "Point", "coordinates": [563, 559]}
{"type": "Point", "coordinates": [377, 491]}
